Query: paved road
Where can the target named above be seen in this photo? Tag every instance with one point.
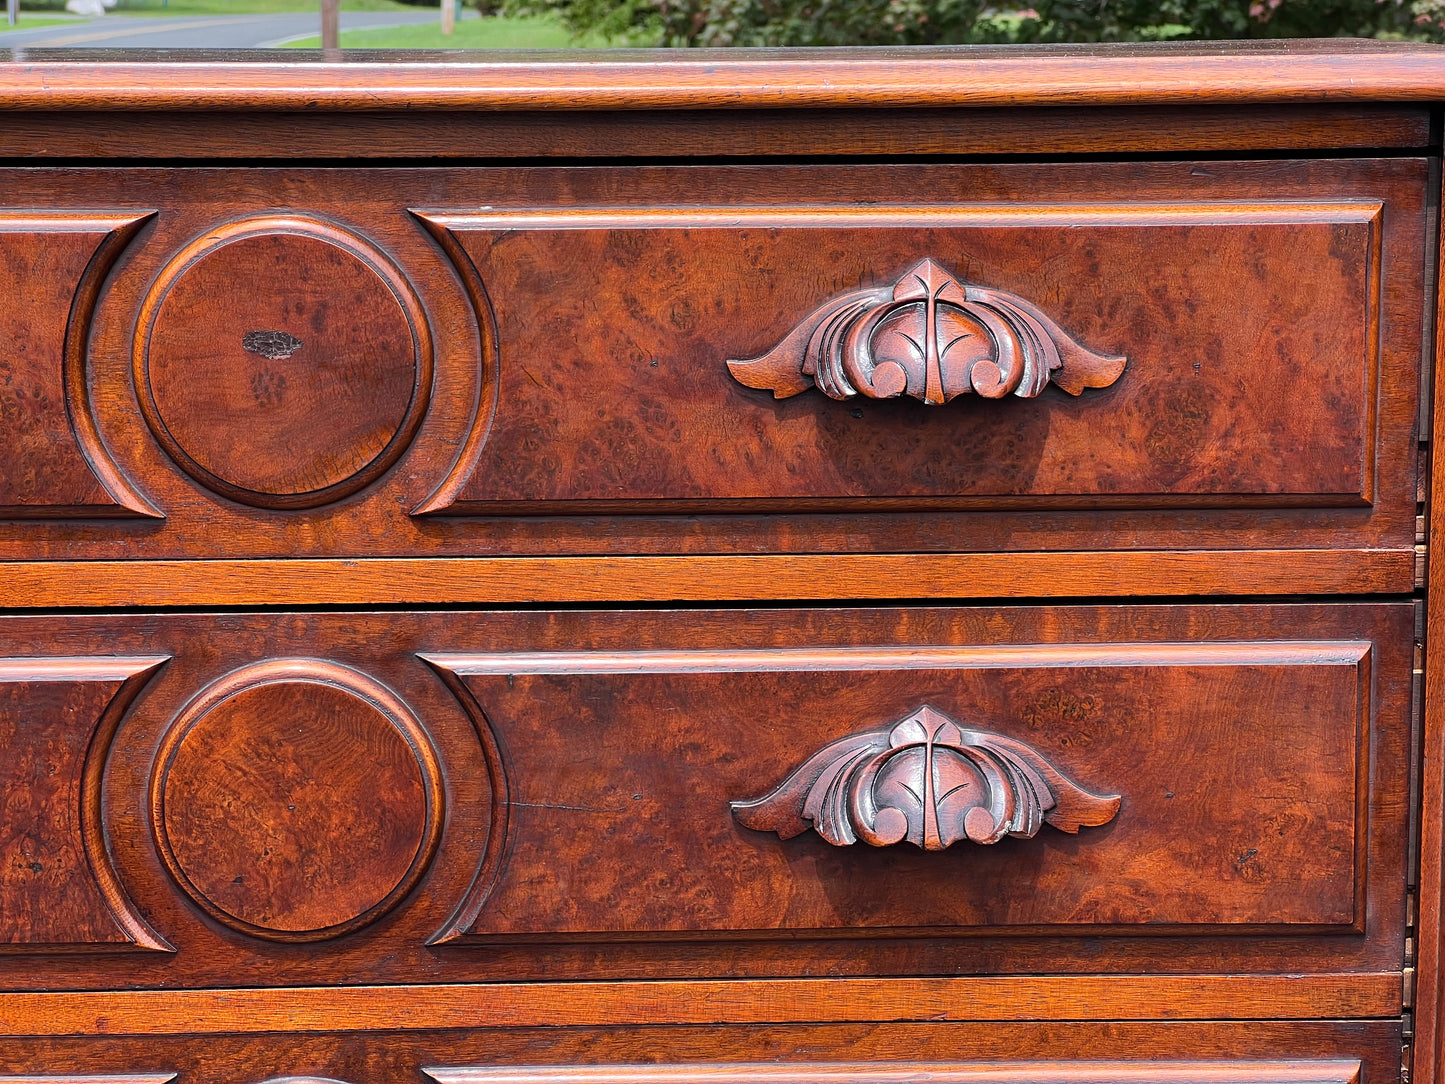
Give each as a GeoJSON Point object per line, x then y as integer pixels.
{"type": "Point", "coordinates": [199, 31]}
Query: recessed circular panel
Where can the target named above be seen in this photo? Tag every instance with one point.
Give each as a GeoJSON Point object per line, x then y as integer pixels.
{"type": "Point", "coordinates": [296, 800]}
{"type": "Point", "coordinates": [282, 362]}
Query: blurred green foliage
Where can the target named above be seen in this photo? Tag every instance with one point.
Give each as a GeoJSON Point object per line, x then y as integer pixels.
{"type": "Point", "coordinates": [940, 22]}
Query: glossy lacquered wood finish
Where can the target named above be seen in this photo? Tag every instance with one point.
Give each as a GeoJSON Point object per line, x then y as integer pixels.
{"type": "Point", "coordinates": [586, 762]}
{"type": "Point", "coordinates": [514, 444]}
{"type": "Point", "coordinates": [1314, 1072]}
{"type": "Point", "coordinates": [56, 464]}
{"type": "Point", "coordinates": [1233, 73]}
{"type": "Point", "coordinates": [308, 347]}
{"type": "Point", "coordinates": [503, 580]}
{"type": "Point", "coordinates": [713, 1003]}
{"type": "Point", "coordinates": [59, 718]}
{"type": "Point", "coordinates": [1174, 1053]}
{"type": "Point", "coordinates": [250, 135]}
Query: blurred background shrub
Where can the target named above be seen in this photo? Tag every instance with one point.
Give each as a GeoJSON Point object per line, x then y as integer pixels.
{"type": "Point", "coordinates": [939, 22]}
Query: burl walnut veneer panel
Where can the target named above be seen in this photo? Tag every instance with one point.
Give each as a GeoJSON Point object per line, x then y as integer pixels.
{"type": "Point", "coordinates": [1157, 1052]}
{"type": "Point", "coordinates": [1223, 745]}
{"type": "Point", "coordinates": [58, 889]}
{"type": "Point", "coordinates": [469, 362]}
{"type": "Point", "coordinates": [55, 463]}
{"type": "Point", "coordinates": [1226, 340]}
{"type": "Point", "coordinates": [1050, 1072]}
{"type": "Point", "coordinates": [454, 796]}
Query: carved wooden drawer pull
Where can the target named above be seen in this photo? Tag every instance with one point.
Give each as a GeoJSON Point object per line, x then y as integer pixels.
{"type": "Point", "coordinates": [931, 337]}
{"type": "Point", "coordinates": [927, 780]}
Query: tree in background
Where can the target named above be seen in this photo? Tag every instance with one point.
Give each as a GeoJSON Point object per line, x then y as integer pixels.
{"type": "Point", "coordinates": [938, 22]}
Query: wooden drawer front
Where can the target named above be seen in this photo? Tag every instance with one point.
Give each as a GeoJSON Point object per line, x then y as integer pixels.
{"type": "Point", "coordinates": [468, 361]}
{"type": "Point", "coordinates": [1258, 1052]}
{"type": "Point", "coordinates": [1052, 1072]}
{"type": "Point", "coordinates": [1227, 788]}
{"type": "Point", "coordinates": [353, 794]}
{"type": "Point", "coordinates": [1225, 333]}
{"type": "Point", "coordinates": [1093, 1072]}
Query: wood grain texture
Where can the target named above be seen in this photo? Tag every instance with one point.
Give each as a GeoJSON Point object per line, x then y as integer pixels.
{"type": "Point", "coordinates": [581, 1004]}
{"type": "Point", "coordinates": [55, 463]}
{"type": "Point", "coordinates": [1244, 334]}
{"type": "Point", "coordinates": [1102, 75]}
{"type": "Point", "coordinates": [1019, 1072]}
{"type": "Point", "coordinates": [391, 843]}
{"type": "Point", "coordinates": [549, 868]}
{"type": "Point", "coordinates": [277, 420]}
{"type": "Point", "coordinates": [895, 133]}
{"type": "Point", "coordinates": [1041, 482]}
{"type": "Point", "coordinates": [297, 800]}
{"type": "Point", "coordinates": [1255, 822]}
{"type": "Point", "coordinates": [419, 581]}
{"type": "Point", "coordinates": [389, 1057]}
{"type": "Point", "coordinates": [59, 890]}
{"type": "Point", "coordinates": [1429, 1060]}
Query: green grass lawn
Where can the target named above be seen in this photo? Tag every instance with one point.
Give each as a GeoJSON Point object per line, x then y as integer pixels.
{"type": "Point", "coordinates": [495, 32]}
{"type": "Point", "coordinates": [30, 22]}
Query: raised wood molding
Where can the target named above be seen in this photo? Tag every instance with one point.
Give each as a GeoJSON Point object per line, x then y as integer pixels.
{"type": "Point", "coordinates": [329, 435]}
{"type": "Point", "coordinates": [128, 675]}
{"type": "Point", "coordinates": [1184, 73]}
{"type": "Point", "coordinates": [1323, 1071]}
{"type": "Point", "coordinates": [328, 874]}
{"type": "Point", "coordinates": [841, 787]}
{"type": "Point", "coordinates": [729, 1001]}
{"type": "Point", "coordinates": [60, 313]}
{"type": "Point", "coordinates": [746, 132]}
{"type": "Point", "coordinates": [851, 346]}
{"type": "Point", "coordinates": [973, 657]}
{"type": "Point", "coordinates": [489, 864]}
{"type": "Point", "coordinates": [484, 409]}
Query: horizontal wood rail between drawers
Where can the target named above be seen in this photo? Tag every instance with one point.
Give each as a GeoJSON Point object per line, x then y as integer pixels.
{"type": "Point", "coordinates": [739, 1001]}
{"type": "Point", "coordinates": [429, 581]}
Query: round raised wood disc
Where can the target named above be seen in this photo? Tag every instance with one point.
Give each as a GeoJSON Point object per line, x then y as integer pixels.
{"type": "Point", "coordinates": [293, 806]}
{"type": "Point", "coordinates": [280, 365]}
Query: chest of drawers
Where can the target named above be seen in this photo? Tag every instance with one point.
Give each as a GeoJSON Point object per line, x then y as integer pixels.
{"type": "Point", "coordinates": [848, 567]}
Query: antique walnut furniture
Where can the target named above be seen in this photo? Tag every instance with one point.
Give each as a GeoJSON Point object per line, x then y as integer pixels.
{"type": "Point", "coordinates": [791, 568]}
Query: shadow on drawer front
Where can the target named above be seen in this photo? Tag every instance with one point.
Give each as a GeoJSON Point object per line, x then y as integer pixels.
{"type": "Point", "coordinates": [368, 795]}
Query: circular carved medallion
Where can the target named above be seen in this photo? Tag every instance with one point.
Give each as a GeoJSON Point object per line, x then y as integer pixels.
{"type": "Point", "coordinates": [296, 800]}
{"type": "Point", "coordinates": [282, 362]}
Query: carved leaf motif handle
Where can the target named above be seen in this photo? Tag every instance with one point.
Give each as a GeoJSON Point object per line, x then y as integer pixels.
{"type": "Point", "coordinates": [932, 337]}
{"type": "Point", "coordinates": [929, 781]}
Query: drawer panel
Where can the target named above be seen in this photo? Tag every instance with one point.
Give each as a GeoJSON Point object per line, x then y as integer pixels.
{"type": "Point", "coordinates": [1071, 374]}
{"type": "Point", "coordinates": [478, 362]}
{"type": "Point", "coordinates": [1259, 1052]}
{"type": "Point", "coordinates": [1055, 1072]}
{"type": "Point", "coordinates": [1230, 788]}
{"type": "Point", "coordinates": [522, 795]}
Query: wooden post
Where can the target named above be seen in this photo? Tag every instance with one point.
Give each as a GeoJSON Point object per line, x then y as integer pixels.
{"type": "Point", "coordinates": [330, 24]}
{"type": "Point", "coordinates": [449, 16]}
